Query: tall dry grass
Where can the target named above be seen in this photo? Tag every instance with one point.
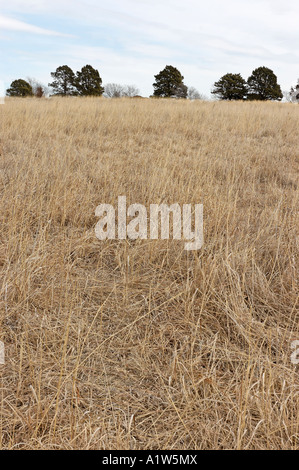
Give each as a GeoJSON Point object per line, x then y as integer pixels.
{"type": "Point", "coordinates": [141, 345]}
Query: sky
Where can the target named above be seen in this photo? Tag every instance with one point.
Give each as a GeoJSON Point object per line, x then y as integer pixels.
{"type": "Point", "coordinates": [130, 41]}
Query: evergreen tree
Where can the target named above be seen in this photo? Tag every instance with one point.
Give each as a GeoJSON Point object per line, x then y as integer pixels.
{"type": "Point", "coordinates": [89, 82]}
{"type": "Point", "coordinates": [169, 83]}
{"type": "Point", "coordinates": [263, 85]}
{"type": "Point", "coordinates": [20, 88]}
{"type": "Point", "coordinates": [230, 87]}
{"type": "Point", "coordinates": [64, 81]}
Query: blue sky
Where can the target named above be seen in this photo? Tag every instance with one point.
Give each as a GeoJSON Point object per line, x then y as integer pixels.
{"type": "Point", "coordinates": [130, 41]}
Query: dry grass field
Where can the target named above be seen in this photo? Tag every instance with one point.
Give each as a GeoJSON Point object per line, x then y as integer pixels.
{"type": "Point", "coordinates": [140, 344]}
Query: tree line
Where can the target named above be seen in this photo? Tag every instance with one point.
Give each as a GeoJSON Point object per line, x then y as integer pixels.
{"type": "Point", "coordinates": [261, 85]}
{"type": "Point", "coordinates": [169, 83]}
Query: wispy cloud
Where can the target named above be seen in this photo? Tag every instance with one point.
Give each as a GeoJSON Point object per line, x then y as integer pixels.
{"type": "Point", "coordinates": [11, 24]}
{"type": "Point", "coordinates": [132, 40]}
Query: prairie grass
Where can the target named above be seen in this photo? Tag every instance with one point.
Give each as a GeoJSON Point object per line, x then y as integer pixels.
{"type": "Point", "coordinates": [140, 344]}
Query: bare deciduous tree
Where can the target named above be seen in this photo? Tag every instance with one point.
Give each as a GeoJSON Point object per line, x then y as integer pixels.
{"type": "Point", "coordinates": [193, 94]}
{"type": "Point", "coordinates": [115, 90]}
{"type": "Point", "coordinates": [39, 90]}
{"type": "Point", "coordinates": [131, 91]}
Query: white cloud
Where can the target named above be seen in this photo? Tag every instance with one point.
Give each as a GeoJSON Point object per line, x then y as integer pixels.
{"type": "Point", "coordinates": [131, 40]}
{"type": "Point", "coordinates": [12, 24]}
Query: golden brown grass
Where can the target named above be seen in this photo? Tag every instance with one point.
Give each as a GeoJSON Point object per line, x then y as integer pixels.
{"type": "Point", "coordinates": [142, 345]}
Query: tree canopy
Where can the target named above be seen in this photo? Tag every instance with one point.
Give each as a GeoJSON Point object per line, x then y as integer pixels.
{"type": "Point", "coordinates": [20, 88]}
{"type": "Point", "coordinates": [64, 81]}
{"type": "Point", "coordinates": [231, 86]}
{"type": "Point", "coordinates": [169, 83]}
{"type": "Point", "coordinates": [88, 82]}
{"type": "Point", "coordinates": [262, 85]}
